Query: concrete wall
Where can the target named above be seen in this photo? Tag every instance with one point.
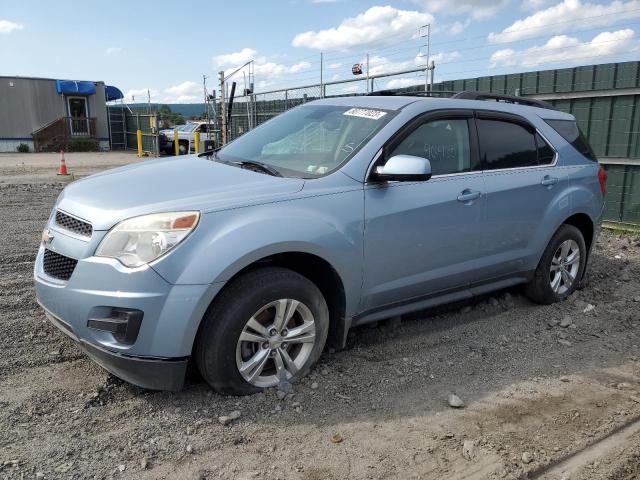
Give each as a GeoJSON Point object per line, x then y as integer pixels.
{"type": "Point", "coordinates": [27, 104]}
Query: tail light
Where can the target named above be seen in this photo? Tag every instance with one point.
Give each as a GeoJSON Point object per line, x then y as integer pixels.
{"type": "Point", "coordinates": [602, 179]}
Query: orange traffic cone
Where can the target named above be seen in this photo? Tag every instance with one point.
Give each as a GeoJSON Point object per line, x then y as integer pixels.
{"type": "Point", "coordinates": [63, 166]}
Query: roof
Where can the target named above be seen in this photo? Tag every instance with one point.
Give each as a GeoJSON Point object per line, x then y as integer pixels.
{"type": "Point", "coordinates": [399, 102]}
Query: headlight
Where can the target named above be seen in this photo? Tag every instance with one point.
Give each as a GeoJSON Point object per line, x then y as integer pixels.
{"type": "Point", "coordinates": [141, 240]}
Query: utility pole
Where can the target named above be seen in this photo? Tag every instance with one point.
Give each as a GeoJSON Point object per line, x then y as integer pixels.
{"type": "Point", "coordinates": [432, 67]}
{"type": "Point", "coordinates": [223, 110]}
{"type": "Point", "coordinates": [367, 73]}
{"type": "Point", "coordinates": [428, 46]}
{"type": "Point", "coordinates": [321, 82]}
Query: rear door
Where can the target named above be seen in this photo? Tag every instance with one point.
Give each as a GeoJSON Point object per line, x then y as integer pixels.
{"type": "Point", "coordinates": [421, 238]}
{"type": "Point", "coordinates": [522, 181]}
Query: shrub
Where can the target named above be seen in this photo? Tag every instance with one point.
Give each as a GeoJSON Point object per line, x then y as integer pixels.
{"type": "Point", "coordinates": [23, 148]}
{"type": "Point", "coordinates": [83, 145]}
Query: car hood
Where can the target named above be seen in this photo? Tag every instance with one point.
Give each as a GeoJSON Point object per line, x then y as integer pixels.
{"type": "Point", "coordinates": [173, 184]}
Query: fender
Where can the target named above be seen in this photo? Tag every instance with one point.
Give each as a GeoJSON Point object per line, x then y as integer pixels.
{"type": "Point", "coordinates": [582, 197]}
{"type": "Point", "coordinates": [225, 242]}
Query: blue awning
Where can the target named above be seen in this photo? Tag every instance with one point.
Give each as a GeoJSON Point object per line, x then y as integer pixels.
{"type": "Point", "coordinates": [72, 87]}
{"type": "Point", "coordinates": [112, 93]}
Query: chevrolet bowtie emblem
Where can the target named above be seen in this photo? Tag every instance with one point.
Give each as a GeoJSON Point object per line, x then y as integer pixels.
{"type": "Point", "coordinates": [47, 236]}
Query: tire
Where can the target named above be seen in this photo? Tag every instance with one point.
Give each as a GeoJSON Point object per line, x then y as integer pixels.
{"type": "Point", "coordinates": [260, 294]}
{"type": "Point", "coordinates": [183, 148]}
{"type": "Point", "coordinates": [549, 284]}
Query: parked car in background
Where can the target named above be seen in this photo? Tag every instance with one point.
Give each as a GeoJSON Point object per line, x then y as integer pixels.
{"type": "Point", "coordinates": [336, 213]}
{"type": "Point", "coordinates": [186, 137]}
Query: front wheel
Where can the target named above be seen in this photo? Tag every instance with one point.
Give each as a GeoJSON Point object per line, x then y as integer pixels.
{"type": "Point", "coordinates": [561, 267]}
{"type": "Point", "coordinates": [267, 327]}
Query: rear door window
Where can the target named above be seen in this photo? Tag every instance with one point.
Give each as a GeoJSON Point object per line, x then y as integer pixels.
{"type": "Point", "coordinates": [504, 144]}
{"type": "Point", "coordinates": [568, 129]}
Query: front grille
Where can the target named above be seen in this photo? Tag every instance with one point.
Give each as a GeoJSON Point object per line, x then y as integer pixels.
{"type": "Point", "coordinates": [73, 224]}
{"type": "Point", "coordinates": [58, 266]}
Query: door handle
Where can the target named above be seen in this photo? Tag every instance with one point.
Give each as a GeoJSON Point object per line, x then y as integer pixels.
{"type": "Point", "coordinates": [549, 181]}
{"type": "Point", "coordinates": [467, 196]}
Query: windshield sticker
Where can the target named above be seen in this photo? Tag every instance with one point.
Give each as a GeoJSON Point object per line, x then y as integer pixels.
{"type": "Point", "coordinates": [365, 113]}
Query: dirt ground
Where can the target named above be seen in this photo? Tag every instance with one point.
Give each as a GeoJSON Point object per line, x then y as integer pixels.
{"type": "Point", "coordinates": [549, 391]}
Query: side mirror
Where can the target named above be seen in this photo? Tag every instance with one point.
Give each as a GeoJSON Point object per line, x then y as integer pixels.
{"type": "Point", "coordinates": [404, 168]}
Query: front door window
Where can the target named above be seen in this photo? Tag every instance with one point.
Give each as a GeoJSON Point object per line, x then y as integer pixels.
{"type": "Point", "coordinates": [78, 112]}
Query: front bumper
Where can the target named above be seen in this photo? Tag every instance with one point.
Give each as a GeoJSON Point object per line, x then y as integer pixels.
{"type": "Point", "coordinates": [152, 373]}
{"type": "Point", "coordinates": [157, 357]}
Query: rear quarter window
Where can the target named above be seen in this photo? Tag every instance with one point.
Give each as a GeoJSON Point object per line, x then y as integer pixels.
{"type": "Point", "coordinates": [569, 130]}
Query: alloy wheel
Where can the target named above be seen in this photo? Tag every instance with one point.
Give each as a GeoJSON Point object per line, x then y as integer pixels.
{"type": "Point", "coordinates": [564, 266]}
{"type": "Point", "coordinates": [275, 343]}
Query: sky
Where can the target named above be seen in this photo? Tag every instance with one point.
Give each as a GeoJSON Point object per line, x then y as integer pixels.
{"type": "Point", "coordinates": [167, 47]}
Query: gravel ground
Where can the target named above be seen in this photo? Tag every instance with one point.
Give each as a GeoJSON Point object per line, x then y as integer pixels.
{"type": "Point", "coordinates": [547, 389]}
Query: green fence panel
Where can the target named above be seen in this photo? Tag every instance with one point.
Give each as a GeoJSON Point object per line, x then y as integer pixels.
{"type": "Point", "coordinates": [628, 74]}
{"type": "Point", "coordinates": [605, 76]}
{"type": "Point", "coordinates": [514, 83]}
{"type": "Point", "coordinates": [564, 80]}
{"type": "Point", "coordinates": [498, 84]}
{"type": "Point", "coordinates": [634, 138]}
{"type": "Point", "coordinates": [458, 86]}
{"type": "Point", "coordinates": [530, 83]}
{"type": "Point", "coordinates": [583, 79]}
{"type": "Point", "coordinates": [631, 196]}
{"type": "Point", "coordinates": [484, 84]}
{"type": "Point", "coordinates": [615, 189]}
{"type": "Point", "coordinates": [546, 81]}
{"type": "Point", "coordinates": [471, 84]}
{"type": "Point", "coordinates": [620, 126]}
{"type": "Point", "coordinates": [599, 125]}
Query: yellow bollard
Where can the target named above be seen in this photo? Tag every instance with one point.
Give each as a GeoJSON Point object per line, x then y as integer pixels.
{"type": "Point", "coordinates": [139, 137]}
{"type": "Point", "coordinates": [176, 144]}
{"type": "Point", "coordinates": [196, 139]}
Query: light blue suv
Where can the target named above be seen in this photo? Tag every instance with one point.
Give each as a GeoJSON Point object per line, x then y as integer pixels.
{"type": "Point", "coordinates": [339, 212]}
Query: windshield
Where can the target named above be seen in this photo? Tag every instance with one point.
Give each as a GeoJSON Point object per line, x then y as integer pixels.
{"type": "Point", "coordinates": [187, 127]}
{"type": "Point", "coordinates": [308, 141]}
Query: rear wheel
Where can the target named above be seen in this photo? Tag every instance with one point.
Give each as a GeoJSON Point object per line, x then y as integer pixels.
{"type": "Point", "coordinates": [183, 148]}
{"type": "Point", "coordinates": [268, 326]}
{"type": "Point", "coordinates": [561, 267]}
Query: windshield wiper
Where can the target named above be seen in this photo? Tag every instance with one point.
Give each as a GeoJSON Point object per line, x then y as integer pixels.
{"type": "Point", "coordinates": [261, 166]}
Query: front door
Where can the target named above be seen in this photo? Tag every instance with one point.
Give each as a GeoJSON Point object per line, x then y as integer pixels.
{"type": "Point", "coordinates": [421, 238]}
{"type": "Point", "coordinates": [79, 123]}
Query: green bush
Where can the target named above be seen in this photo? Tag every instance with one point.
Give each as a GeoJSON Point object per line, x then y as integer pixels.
{"type": "Point", "coordinates": [83, 145]}
{"type": "Point", "coordinates": [23, 148]}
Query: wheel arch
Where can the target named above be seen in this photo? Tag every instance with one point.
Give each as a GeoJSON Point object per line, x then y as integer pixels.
{"type": "Point", "coordinates": [319, 271]}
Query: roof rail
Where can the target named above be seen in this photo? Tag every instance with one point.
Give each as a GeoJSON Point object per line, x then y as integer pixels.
{"type": "Point", "coordinates": [467, 95]}
{"type": "Point", "coordinates": [393, 93]}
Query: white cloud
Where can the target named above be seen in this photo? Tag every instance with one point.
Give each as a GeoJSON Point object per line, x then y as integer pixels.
{"type": "Point", "coordinates": [113, 50]}
{"type": "Point", "coordinates": [379, 25]}
{"type": "Point", "coordinates": [7, 27]}
{"type": "Point", "coordinates": [479, 9]}
{"type": "Point", "coordinates": [353, 88]}
{"type": "Point", "coordinates": [265, 70]}
{"type": "Point", "coordinates": [566, 16]}
{"type": "Point", "coordinates": [456, 27]}
{"type": "Point", "coordinates": [563, 48]}
{"type": "Point", "coordinates": [185, 92]}
{"type": "Point", "coordinates": [404, 82]}
{"type": "Point", "coordinates": [534, 4]}
{"type": "Point", "coordinates": [333, 66]}
{"type": "Point", "coordinates": [299, 67]}
{"type": "Point", "coordinates": [236, 58]}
